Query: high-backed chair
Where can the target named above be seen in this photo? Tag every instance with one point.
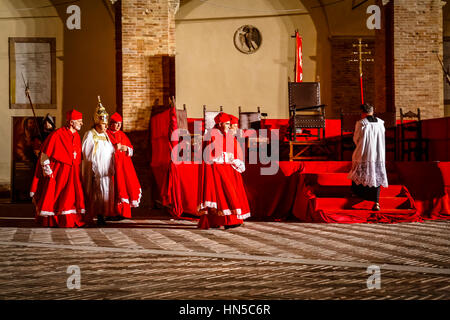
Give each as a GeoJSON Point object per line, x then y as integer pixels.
{"type": "Point", "coordinates": [411, 140]}
{"type": "Point", "coordinates": [305, 110]}
{"type": "Point", "coordinates": [348, 122]}
{"type": "Point", "coordinates": [250, 120]}
{"type": "Point", "coordinates": [182, 122]}
{"type": "Point", "coordinates": [209, 116]}
{"type": "Point", "coordinates": [306, 116]}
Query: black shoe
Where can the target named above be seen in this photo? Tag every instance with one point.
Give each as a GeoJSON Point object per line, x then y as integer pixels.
{"type": "Point", "coordinates": [233, 226]}
{"type": "Point", "coordinates": [101, 221]}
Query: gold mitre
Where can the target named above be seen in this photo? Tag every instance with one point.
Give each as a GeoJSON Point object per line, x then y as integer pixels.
{"type": "Point", "coordinates": [100, 116]}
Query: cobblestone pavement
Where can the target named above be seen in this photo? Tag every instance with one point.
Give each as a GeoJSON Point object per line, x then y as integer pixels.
{"type": "Point", "coordinates": [167, 259]}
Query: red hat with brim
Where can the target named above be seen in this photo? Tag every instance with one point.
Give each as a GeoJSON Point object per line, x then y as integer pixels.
{"type": "Point", "coordinates": [222, 117]}
{"type": "Point", "coordinates": [74, 115]}
{"type": "Point", "coordinates": [116, 118]}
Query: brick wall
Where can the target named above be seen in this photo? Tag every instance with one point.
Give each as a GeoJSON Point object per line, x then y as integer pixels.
{"type": "Point", "coordinates": [148, 36]}
{"type": "Point", "coordinates": [145, 51]}
{"type": "Point", "coordinates": [418, 37]}
{"type": "Point", "coordinates": [345, 75]}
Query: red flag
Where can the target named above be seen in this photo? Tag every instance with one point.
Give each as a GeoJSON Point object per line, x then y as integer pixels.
{"type": "Point", "coordinates": [298, 59]}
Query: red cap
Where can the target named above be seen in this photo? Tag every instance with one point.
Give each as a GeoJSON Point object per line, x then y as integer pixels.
{"type": "Point", "coordinates": [233, 119]}
{"type": "Point", "coordinates": [73, 115]}
{"type": "Point", "coordinates": [222, 117]}
{"type": "Point", "coordinates": [116, 118]}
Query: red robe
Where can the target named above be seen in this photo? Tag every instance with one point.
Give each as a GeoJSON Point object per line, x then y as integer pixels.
{"type": "Point", "coordinates": [223, 200]}
{"type": "Point", "coordinates": [127, 190]}
{"type": "Point", "coordinates": [59, 198]}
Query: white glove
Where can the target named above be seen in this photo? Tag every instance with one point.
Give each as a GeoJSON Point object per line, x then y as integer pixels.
{"type": "Point", "coordinates": [130, 152]}
{"type": "Point", "coordinates": [238, 165]}
{"type": "Point", "coordinates": [46, 168]}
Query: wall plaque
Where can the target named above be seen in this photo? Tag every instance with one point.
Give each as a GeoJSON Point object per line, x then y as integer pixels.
{"type": "Point", "coordinates": [247, 39]}
{"type": "Point", "coordinates": [32, 61]}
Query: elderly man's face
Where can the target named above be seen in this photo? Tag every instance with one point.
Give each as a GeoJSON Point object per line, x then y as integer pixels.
{"type": "Point", "coordinates": [76, 124]}
{"type": "Point", "coordinates": [224, 126]}
{"type": "Point", "coordinates": [115, 126]}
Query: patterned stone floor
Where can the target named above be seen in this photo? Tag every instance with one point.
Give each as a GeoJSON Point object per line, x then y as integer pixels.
{"type": "Point", "coordinates": [167, 259]}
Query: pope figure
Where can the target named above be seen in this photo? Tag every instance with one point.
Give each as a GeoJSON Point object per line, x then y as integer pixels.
{"type": "Point", "coordinates": [98, 169]}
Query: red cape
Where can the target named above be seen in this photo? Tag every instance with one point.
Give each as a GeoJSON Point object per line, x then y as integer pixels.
{"type": "Point", "coordinates": [59, 199]}
{"type": "Point", "coordinates": [223, 199]}
{"type": "Point", "coordinates": [128, 191]}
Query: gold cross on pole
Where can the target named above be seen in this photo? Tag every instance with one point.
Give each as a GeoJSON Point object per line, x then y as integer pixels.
{"type": "Point", "coordinates": [360, 45]}
{"type": "Point", "coordinates": [360, 59]}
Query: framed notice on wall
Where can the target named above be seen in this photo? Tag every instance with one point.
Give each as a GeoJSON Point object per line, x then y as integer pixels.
{"type": "Point", "coordinates": [32, 62]}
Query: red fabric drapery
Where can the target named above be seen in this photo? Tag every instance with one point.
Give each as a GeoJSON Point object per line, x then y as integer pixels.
{"type": "Point", "coordinates": [165, 180]}
{"type": "Point", "coordinates": [298, 58]}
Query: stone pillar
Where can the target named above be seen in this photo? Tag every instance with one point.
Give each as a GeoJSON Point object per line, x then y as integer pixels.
{"type": "Point", "coordinates": [417, 38]}
{"type": "Point", "coordinates": [148, 47]}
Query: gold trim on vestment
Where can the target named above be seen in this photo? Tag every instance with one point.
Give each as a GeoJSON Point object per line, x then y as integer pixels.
{"type": "Point", "coordinates": [97, 138]}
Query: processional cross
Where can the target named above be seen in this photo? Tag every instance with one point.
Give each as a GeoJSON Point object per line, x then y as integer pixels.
{"type": "Point", "coordinates": [360, 59]}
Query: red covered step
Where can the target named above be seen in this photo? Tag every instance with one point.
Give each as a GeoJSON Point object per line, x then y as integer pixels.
{"type": "Point", "coordinates": [328, 179]}
{"type": "Point", "coordinates": [366, 216]}
{"type": "Point", "coordinates": [322, 191]}
{"type": "Point", "coordinates": [355, 203]}
{"type": "Point", "coordinates": [338, 179]}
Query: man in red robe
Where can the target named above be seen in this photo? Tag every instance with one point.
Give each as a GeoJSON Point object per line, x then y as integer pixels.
{"type": "Point", "coordinates": [223, 200]}
{"type": "Point", "coordinates": [56, 188]}
{"type": "Point", "coordinates": [128, 191]}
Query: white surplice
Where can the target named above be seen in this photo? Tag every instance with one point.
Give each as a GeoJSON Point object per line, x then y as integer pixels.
{"type": "Point", "coordinates": [98, 173]}
{"type": "Point", "coordinates": [368, 160]}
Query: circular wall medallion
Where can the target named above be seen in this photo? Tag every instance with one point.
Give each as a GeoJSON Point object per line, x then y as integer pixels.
{"type": "Point", "coordinates": [247, 39]}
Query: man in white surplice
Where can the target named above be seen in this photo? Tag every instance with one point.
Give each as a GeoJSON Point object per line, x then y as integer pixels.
{"type": "Point", "coordinates": [98, 169]}
{"type": "Point", "coordinates": [368, 171]}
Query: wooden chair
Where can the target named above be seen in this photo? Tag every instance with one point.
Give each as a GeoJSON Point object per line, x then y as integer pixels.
{"type": "Point", "coordinates": [348, 122]}
{"type": "Point", "coordinates": [305, 110]}
{"type": "Point", "coordinates": [182, 122]}
{"type": "Point", "coordinates": [209, 116]}
{"type": "Point", "coordinates": [411, 139]}
{"type": "Point", "coordinates": [306, 113]}
{"type": "Point", "coordinates": [250, 120]}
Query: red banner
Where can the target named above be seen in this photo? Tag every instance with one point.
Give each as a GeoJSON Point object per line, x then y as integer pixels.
{"type": "Point", "coordinates": [298, 59]}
